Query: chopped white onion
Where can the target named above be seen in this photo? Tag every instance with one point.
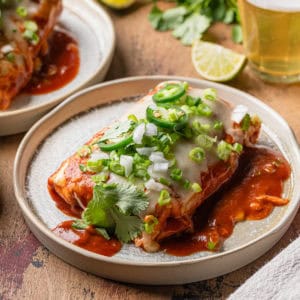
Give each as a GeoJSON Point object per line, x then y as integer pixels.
{"type": "Point", "coordinates": [151, 129]}
{"type": "Point", "coordinates": [95, 156]}
{"type": "Point", "coordinates": [239, 113]}
{"type": "Point", "coordinates": [126, 161]}
{"type": "Point", "coordinates": [7, 48]}
{"type": "Point", "coordinates": [158, 157]}
{"type": "Point", "coordinates": [151, 184]}
{"type": "Point", "coordinates": [156, 174]}
{"type": "Point", "coordinates": [138, 133]}
{"type": "Point", "coordinates": [145, 150]}
{"type": "Point", "coordinates": [160, 167]}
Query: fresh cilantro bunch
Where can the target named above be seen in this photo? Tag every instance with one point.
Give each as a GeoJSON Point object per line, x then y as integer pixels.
{"type": "Point", "coordinates": [189, 19]}
{"type": "Point", "coordinates": [114, 209]}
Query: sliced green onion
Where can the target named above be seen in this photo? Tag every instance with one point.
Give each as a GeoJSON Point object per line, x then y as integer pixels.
{"type": "Point", "coordinates": [224, 150]}
{"type": "Point", "coordinates": [211, 245]}
{"type": "Point", "coordinates": [164, 198]}
{"type": "Point", "coordinates": [10, 57]}
{"type": "Point", "coordinates": [210, 94]}
{"type": "Point", "coordinates": [115, 167]}
{"type": "Point", "coordinates": [100, 178]}
{"type": "Point", "coordinates": [204, 110]}
{"type": "Point", "coordinates": [82, 168]}
{"type": "Point", "coordinates": [84, 151]}
{"type": "Point", "coordinates": [21, 11]}
{"type": "Point", "coordinates": [192, 101]}
{"type": "Point", "coordinates": [218, 125]}
{"type": "Point", "coordinates": [31, 25]}
{"type": "Point", "coordinates": [185, 85]}
{"type": "Point", "coordinates": [186, 184]}
{"type": "Point", "coordinates": [176, 174]}
{"type": "Point", "coordinates": [237, 147]}
{"type": "Point", "coordinates": [94, 166]}
{"type": "Point", "coordinates": [205, 141]}
{"type": "Point", "coordinates": [164, 181]}
{"type": "Point", "coordinates": [31, 36]}
{"type": "Point", "coordinates": [197, 154]}
{"type": "Point", "coordinates": [188, 132]}
{"type": "Point", "coordinates": [200, 128]}
{"type": "Point", "coordinates": [132, 118]}
{"type": "Point", "coordinates": [150, 223]}
{"type": "Point", "coordinates": [196, 187]}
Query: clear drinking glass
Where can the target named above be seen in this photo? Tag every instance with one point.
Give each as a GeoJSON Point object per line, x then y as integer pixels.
{"type": "Point", "coordinates": [271, 32]}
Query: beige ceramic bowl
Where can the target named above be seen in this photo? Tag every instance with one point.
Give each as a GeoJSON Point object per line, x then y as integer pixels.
{"type": "Point", "coordinates": [90, 25]}
{"type": "Point", "coordinates": [62, 131]}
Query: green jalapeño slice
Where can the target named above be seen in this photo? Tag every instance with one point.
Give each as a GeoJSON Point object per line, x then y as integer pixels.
{"type": "Point", "coordinates": [173, 118]}
{"type": "Point", "coordinates": [117, 137]}
{"type": "Point", "coordinates": [114, 144]}
{"type": "Point", "coordinates": [169, 93]}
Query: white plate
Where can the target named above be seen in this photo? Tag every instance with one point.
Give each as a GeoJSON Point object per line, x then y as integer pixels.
{"type": "Point", "coordinates": [90, 25]}
{"type": "Point", "coordinates": [63, 130]}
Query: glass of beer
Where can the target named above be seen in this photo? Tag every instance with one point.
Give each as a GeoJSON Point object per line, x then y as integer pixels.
{"type": "Point", "coordinates": [271, 37]}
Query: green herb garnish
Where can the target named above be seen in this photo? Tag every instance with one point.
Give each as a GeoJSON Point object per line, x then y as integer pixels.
{"type": "Point", "coordinates": [189, 19]}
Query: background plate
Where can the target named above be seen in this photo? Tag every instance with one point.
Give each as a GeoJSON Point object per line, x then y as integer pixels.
{"type": "Point", "coordinates": [61, 132]}
{"type": "Point", "coordinates": [90, 25]}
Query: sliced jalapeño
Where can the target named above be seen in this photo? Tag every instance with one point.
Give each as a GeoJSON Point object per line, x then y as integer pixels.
{"type": "Point", "coordinates": [169, 93]}
{"type": "Point", "coordinates": [114, 144]}
{"type": "Point", "coordinates": [174, 118]}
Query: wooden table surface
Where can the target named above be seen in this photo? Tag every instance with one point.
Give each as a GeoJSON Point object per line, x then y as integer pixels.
{"type": "Point", "coordinates": [29, 271]}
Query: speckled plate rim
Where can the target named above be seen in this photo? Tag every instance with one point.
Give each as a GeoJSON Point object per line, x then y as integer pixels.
{"type": "Point", "coordinates": [36, 223]}
{"type": "Point", "coordinates": [105, 62]}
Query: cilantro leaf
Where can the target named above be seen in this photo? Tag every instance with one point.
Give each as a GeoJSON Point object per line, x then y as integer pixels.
{"type": "Point", "coordinates": [155, 17]}
{"type": "Point", "coordinates": [192, 28]}
{"type": "Point", "coordinates": [115, 206]}
{"type": "Point", "coordinates": [131, 200]}
{"type": "Point", "coordinates": [79, 224]}
{"type": "Point", "coordinates": [96, 212]}
{"type": "Point", "coordinates": [173, 17]}
{"type": "Point", "coordinates": [168, 19]}
{"type": "Point", "coordinates": [219, 10]}
{"type": "Point", "coordinates": [184, 17]}
{"type": "Point", "coordinates": [127, 227]}
{"type": "Point", "coordinates": [103, 232]}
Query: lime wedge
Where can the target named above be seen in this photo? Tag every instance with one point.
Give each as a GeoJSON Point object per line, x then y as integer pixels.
{"type": "Point", "coordinates": [118, 4]}
{"type": "Point", "coordinates": [215, 62]}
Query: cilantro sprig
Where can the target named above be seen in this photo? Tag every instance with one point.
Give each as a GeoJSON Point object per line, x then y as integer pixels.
{"type": "Point", "coordinates": [189, 19]}
{"type": "Point", "coordinates": [114, 209]}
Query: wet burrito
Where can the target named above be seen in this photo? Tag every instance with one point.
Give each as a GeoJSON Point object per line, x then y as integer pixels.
{"type": "Point", "coordinates": [142, 178]}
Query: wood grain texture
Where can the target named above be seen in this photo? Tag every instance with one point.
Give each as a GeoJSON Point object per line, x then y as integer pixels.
{"type": "Point", "coordinates": [29, 271]}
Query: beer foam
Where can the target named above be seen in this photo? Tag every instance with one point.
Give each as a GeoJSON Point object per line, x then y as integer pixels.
{"type": "Point", "coordinates": [277, 5]}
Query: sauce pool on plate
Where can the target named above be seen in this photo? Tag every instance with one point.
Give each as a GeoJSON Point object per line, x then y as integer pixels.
{"type": "Point", "coordinates": [58, 67]}
{"type": "Point", "coordinates": [251, 194]}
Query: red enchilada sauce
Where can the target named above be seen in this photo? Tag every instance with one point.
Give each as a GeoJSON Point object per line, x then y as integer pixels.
{"type": "Point", "coordinates": [88, 239]}
{"type": "Point", "coordinates": [58, 67]}
{"type": "Point", "coordinates": [251, 194]}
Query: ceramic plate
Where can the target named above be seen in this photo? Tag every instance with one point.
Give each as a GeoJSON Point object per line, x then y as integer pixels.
{"type": "Point", "coordinates": [62, 131]}
{"type": "Point", "coordinates": [90, 25]}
